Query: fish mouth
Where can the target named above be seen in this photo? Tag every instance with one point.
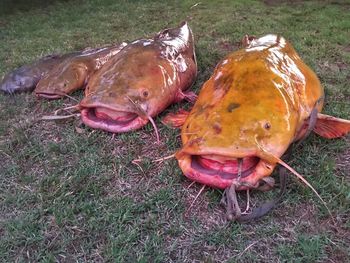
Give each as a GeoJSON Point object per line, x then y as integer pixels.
{"type": "Point", "coordinates": [111, 120]}
{"type": "Point", "coordinates": [216, 170]}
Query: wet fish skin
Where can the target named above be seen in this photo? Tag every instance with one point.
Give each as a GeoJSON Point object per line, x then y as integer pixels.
{"type": "Point", "coordinates": [73, 72]}
{"type": "Point", "coordinates": [143, 79]}
{"type": "Point", "coordinates": [25, 78]}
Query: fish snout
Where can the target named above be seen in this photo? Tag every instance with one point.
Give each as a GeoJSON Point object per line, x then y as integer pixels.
{"type": "Point", "coordinates": [222, 171]}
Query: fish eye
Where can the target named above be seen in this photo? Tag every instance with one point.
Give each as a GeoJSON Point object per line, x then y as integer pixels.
{"type": "Point", "coordinates": [267, 125]}
{"type": "Point", "coordinates": [145, 93]}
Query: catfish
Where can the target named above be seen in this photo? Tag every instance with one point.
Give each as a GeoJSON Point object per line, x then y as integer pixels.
{"type": "Point", "coordinates": [259, 100]}
{"type": "Point", "coordinates": [74, 71]}
{"type": "Point", "coordinates": [142, 80]}
{"type": "Point", "coordinates": [25, 78]}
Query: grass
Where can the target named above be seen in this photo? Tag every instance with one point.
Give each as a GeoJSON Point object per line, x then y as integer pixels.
{"type": "Point", "coordinates": [71, 194]}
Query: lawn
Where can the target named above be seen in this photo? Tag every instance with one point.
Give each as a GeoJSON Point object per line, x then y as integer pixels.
{"type": "Point", "coordinates": [72, 194]}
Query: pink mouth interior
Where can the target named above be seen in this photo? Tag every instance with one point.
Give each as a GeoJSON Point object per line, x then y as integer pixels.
{"type": "Point", "coordinates": [111, 120]}
{"type": "Point", "coordinates": [103, 115]}
{"type": "Point", "coordinates": [118, 117]}
{"type": "Point", "coordinates": [225, 168]}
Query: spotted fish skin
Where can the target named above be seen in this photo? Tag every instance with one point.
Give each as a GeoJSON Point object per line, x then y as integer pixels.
{"type": "Point", "coordinates": [255, 105]}
{"type": "Point", "coordinates": [142, 80]}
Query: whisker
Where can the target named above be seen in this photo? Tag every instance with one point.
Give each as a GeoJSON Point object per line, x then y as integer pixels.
{"type": "Point", "coordinates": [240, 164]}
{"type": "Point", "coordinates": [165, 158]}
{"type": "Point", "coordinates": [200, 191]}
{"type": "Point", "coordinates": [154, 126]}
{"type": "Point", "coordinates": [304, 181]}
{"type": "Point", "coordinates": [55, 117]}
{"type": "Point", "coordinates": [274, 158]}
{"type": "Point", "coordinates": [66, 95]}
{"type": "Point", "coordinates": [138, 107]}
{"type": "Point", "coordinates": [76, 107]}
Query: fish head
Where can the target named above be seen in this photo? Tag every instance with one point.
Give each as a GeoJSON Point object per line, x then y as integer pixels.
{"type": "Point", "coordinates": [241, 120]}
{"type": "Point", "coordinates": [126, 92]}
{"type": "Point", "coordinates": [19, 81]}
{"type": "Point", "coordinates": [62, 79]}
{"type": "Point", "coordinates": [140, 81]}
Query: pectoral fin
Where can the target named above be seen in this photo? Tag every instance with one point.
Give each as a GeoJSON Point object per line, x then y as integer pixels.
{"type": "Point", "coordinates": [331, 127]}
{"type": "Point", "coordinates": [188, 95]}
{"type": "Point", "coordinates": [176, 120]}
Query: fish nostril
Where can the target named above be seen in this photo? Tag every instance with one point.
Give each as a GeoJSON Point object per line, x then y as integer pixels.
{"type": "Point", "coordinates": [267, 125]}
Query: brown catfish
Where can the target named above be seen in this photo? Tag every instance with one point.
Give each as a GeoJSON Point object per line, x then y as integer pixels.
{"type": "Point", "coordinates": [25, 78]}
{"type": "Point", "coordinates": [258, 101]}
{"type": "Point", "coordinates": [141, 81]}
{"type": "Point", "coordinates": [74, 72]}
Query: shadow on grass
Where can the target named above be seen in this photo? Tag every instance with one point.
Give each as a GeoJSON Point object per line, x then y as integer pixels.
{"type": "Point", "coordinates": [8, 7]}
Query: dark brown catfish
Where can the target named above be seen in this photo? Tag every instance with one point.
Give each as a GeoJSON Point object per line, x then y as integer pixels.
{"type": "Point", "coordinates": [74, 72]}
{"type": "Point", "coordinates": [141, 81]}
{"type": "Point", "coordinates": [25, 78]}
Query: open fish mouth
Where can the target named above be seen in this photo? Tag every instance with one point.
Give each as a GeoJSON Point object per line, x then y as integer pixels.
{"type": "Point", "coordinates": [216, 170]}
{"type": "Point", "coordinates": [111, 120]}
{"type": "Point", "coordinates": [226, 169]}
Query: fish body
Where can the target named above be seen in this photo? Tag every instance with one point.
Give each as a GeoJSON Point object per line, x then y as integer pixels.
{"type": "Point", "coordinates": [255, 105]}
{"type": "Point", "coordinates": [73, 72]}
{"type": "Point", "coordinates": [141, 81]}
{"type": "Point", "coordinates": [25, 78]}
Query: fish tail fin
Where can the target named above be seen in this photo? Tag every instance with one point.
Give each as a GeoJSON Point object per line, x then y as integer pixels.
{"type": "Point", "coordinates": [331, 127]}
{"type": "Point", "coordinates": [176, 120]}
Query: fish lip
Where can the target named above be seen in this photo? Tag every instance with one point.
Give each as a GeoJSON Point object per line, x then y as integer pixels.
{"type": "Point", "coordinates": [225, 175]}
{"type": "Point", "coordinates": [90, 119]}
{"type": "Point", "coordinates": [90, 105]}
{"type": "Point", "coordinates": [214, 178]}
{"type": "Point", "coordinates": [48, 95]}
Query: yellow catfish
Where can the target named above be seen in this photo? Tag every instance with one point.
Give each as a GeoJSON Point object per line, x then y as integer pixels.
{"type": "Point", "coordinates": [259, 101]}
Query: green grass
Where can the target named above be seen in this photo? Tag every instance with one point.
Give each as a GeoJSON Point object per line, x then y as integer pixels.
{"type": "Point", "coordinates": [76, 196]}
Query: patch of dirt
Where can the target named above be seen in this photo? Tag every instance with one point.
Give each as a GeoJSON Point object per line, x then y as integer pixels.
{"type": "Point", "coordinates": [199, 208]}
{"type": "Point", "coordinates": [334, 67]}
{"type": "Point", "coordinates": [142, 171]}
{"type": "Point", "coordinates": [347, 48]}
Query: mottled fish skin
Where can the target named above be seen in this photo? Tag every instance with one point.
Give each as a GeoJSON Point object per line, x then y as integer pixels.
{"type": "Point", "coordinates": [73, 72]}
{"type": "Point", "coordinates": [142, 80]}
{"type": "Point", "coordinates": [25, 78]}
{"type": "Point", "coordinates": [253, 107]}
